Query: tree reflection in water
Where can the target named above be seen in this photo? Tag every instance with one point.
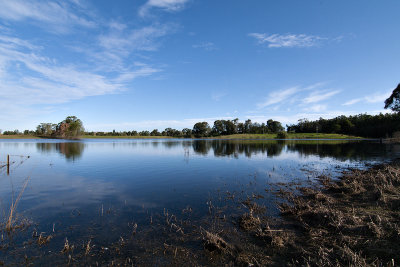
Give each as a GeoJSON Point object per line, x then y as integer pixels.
{"type": "Point", "coordinates": [338, 149]}
{"type": "Point", "coordinates": [353, 150]}
{"type": "Point", "coordinates": [71, 150]}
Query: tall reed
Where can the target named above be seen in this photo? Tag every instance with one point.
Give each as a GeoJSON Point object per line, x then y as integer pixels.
{"type": "Point", "coordinates": [14, 205]}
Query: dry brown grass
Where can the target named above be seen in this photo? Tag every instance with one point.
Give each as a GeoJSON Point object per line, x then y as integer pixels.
{"type": "Point", "coordinates": [43, 240]}
{"type": "Point", "coordinates": [354, 221]}
{"type": "Point", "coordinates": [13, 207]}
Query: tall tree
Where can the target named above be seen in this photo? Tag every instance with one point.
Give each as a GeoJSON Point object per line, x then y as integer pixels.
{"type": "Point", "coordinates": [247, 126]}
{"type": "Point", "coordinates": [393, 102]}
{"type": "Point", "coordinates": [187, 132]}
{"type": "Point", "coordinates": [71, 127]}
{"type": "Point", "coordinates": [155, 132]}
{"type": "Point", "coordinates": [218, 128]}
{"type": "Point", "coordinates": [274, 126]}
{"type": "Point", "coordinates": [201, 129]}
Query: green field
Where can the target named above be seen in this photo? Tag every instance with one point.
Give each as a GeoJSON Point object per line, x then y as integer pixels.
{"type": "Point", "coordinates": [19, 136]}
{"type": "Point", "coordinates": [124, 137]}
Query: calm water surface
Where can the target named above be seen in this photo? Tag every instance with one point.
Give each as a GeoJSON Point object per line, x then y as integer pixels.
{"type": "Point", "coordinates": [98, 189]}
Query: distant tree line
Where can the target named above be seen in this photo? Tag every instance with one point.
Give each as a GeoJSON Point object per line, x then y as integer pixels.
{"type": "Point", "coordinates": [374, 126]}
{"type": "Point", "coordinates": [228, 127]}
{"type": "Point", "coordinates": [203, 129]}
{"type": "Point", "coordinates": [168, 132]}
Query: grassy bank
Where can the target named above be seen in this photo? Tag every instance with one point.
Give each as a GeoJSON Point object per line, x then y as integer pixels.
{"type": "Point", "coordinates": [21, 136]}
{"type": "Point", "coordinates": [83, 137]}
{"type": "Point", "coordinates": [233, 136]}
{"type": "Point", "coordinates": [290, 136]}
{"type": "Point", "coordinates": [124, 137]}
{"type": "Point", "coordinates": [243, 136]}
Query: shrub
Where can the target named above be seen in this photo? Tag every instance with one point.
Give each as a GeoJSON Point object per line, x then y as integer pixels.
{"type": "Point", "coordinates": [282, 135]}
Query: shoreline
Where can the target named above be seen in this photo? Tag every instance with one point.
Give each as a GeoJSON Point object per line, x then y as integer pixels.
{"type": "Point", "coordinates": [311, 136]}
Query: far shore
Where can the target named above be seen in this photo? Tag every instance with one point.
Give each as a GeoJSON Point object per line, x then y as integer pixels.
{"type": "Point", "coordinates": [234, 136]}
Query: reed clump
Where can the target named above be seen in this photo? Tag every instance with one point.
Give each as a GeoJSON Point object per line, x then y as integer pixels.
{"type": "Point", "coordinates": [43, 239]}
{"type": "Point", "coordinates": [213, 242]}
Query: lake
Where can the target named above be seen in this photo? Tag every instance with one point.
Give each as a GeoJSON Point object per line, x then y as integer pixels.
{"type": "Point", "coordinates": [128, 200]}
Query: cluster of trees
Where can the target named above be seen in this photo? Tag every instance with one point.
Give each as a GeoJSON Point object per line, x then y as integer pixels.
{"type": "Point", "coordinates": [375, 126]}
{"type": "Point", "coordinates": [227, 127]}
{"type": "Point", "coordinates": [71, 127]}
{"type": "Point", "coordinates": [203, 129]}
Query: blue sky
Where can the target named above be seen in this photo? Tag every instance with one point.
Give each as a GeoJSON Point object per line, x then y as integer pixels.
{"type": "Point", "coordinates": [149, 64]}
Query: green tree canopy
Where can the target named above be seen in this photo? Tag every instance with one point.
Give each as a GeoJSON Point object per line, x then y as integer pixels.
{"type": "Point", "coordinates": [201, 129]}
{"type": "Point", "coordinates": [155, 132]}
{"type": "Point", "coordinates": [186, 132]}
{"type": "Point", "coordinates": [274, 126]}
{"type": "Point", "coordinates": [393, 102]}
{"type": "Point", "coordinates": [70, 127]}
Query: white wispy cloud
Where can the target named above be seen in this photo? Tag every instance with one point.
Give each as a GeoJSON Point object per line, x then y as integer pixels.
{"type": "Point", "coordinates": [379, 97]}
{"type": "Point", "coordinates": [113, 50]}
{"type": "Point", "coordinates": [141, 70]}
{"type": "Point", "coordinates": [29, 78]}
{"type": "Point", "coordinates": [287, 40]}
{"type": "Point", "coordinates": [318, 96]}
{"type": "Point", "coordinates": [52, 16]}
{"type": "Point", "coordinates": [208, 46]}
{"type": "Point", "coordinates": [278, 97]}
{"type": "Point", "coordinates": [143, 38]}
{"type": "Point", "coordinates": [166, 5]}
{"type": "Point", "coordinates": [316, 108]}
{"type": "Point", "coordinates": [352, 102]}
{"type": "Point", "coordinates": [298, 98]}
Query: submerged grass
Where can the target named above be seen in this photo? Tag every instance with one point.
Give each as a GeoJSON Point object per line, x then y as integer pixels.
{"type": "Point", "coordinates": [354, 221]}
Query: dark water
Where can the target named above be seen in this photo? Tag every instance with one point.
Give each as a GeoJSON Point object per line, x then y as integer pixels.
{"type": "Point", "coordinates": [99, 189]}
